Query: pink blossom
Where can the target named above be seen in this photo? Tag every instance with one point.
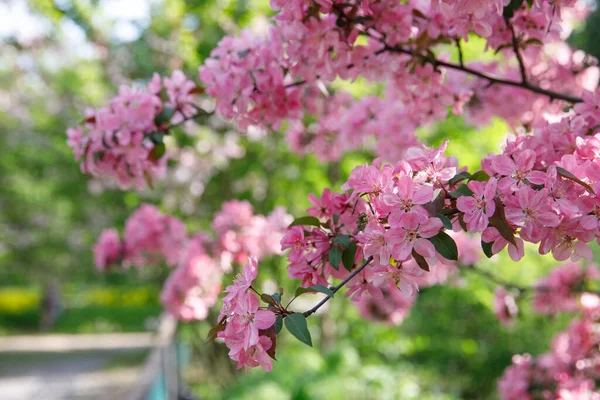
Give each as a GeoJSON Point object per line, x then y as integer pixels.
{"type": "Point", "coordinates": [253, 357]}
{"type": "Point", "coordinates": [560, 290]}
{"type": "Point", "coordinates": [150, 235]}
{"type": "Point", "coordinates": [375, 243]}
{"type": "Point", "coordinates": [248, 319]}
{"type": "Point", "coordinates": [242, 283]}
{"type": "Point", "coordinates": [403, 276]}
{"type": "Point", "coordinates": [514, 384]}
{"type": "Point", "coordinates": [108, 250]}
{"type": "Point", "coordinates": [532, 210]}
{"type": "Point", "coordinates": [294, 240]}
{"type": "Point", "coordinates": [505, 306]}
{"type": "Point", "coordinates": [480, 207]}
{"type": "Point", "coordinates": [193, 287]}
{"type": "Point", "coordinates": [410, 231]}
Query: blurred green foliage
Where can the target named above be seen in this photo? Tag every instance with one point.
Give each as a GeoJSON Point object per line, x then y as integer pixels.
{"type": "Point", "coordinates": [450, 347]}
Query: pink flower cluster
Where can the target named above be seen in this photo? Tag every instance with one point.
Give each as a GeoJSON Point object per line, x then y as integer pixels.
{"type": "Point", "coordinates": [247, 329]}
{"type": "Point", "coordinates": [569, 371]}
{"type": "Point", "coordinates": [384, 215]}
{"type": "Point", "coordinates": [241, 234]}
{"type": "Point", "coordinates": [505, 306]}
{"type": "Point", "coordinates": [150, 237]}
{"type": "Point", "coordinates": [194, 286]}
{"type": "Point", "coordinates": [563, 288]}
{"type": "Point", "coordinates": [124, 139]}
{"type": "Point", "coordinates": [263, 81]}
{"type": "Point", "coordinates": [245, 75]}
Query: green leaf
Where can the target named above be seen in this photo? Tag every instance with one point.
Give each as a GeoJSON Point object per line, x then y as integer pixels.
{"type": "Point", "coordinates": [276, 297]}
{"type": "Point", "coordinates": [314, 288]}
{"type": "Point", "coordinates": [307, 220]}
{"type": "Point", "coordinates": [479, 176]}
{"type": "Point", "coordinates": [344, 240]}
{"type": "Point", "coordinates": [278, 324]}
{"type": "Point", "coordinates": [157, 152]}
{"type": "Point", "coordinates": [487, 249]}
{"type": "Point", "coordinates": [445, 221]}
{"type": "Point", "coordinates": [445, 245]}
{"type": "Point", "coordinates": [335, 256]}
{"type": "Point", "coordinates": [462, 190]}
{"type": "Point", "coordinates": [459, 177]}
{"type": "Point", "coordinates": [296, 324]}
{"type": "Point", "coordinates": [348, 256]}
{"type": "Point", "coordinates": [421, 261]}
{"type": "Point", "coordinates": [268, 299]}
{"type": "Point", "coordinates": [510, 9]}
{"type": "Point", "coordinates": [566, 174]}
{"type": "Point", "coordinates": [164, 116]}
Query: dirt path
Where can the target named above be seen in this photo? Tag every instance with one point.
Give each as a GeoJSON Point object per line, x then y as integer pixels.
{"type": "Point", "coordinates": [43, 368]}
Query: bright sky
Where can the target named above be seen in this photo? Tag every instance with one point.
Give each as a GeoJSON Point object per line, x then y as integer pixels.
{"type": "Point", "coordinates": [17, 20]}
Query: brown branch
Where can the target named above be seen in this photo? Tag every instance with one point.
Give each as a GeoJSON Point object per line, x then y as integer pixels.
{"type": "Point", "coordinates": [429, 58]}
{"type": "Point", "coordinates": [338, 287]}
{"type": "Point", "coordinates": [439, 63]}
{"type": "Point", "coordinates": [461, 60]}
{"type": "Point", "coordinates": [515, 46]}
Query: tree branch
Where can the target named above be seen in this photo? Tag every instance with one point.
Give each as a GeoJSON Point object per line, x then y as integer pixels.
{"type": "Point", "coordinates": [528, 86]}
{"type": "Point", "coordinates": [497, 280]}
{"type": "Point", "coordinates": [461, 60]}
{"type": "Point", "coordinates": [338, 287]}
{"type": "Point", "coordinates": [515, 46]}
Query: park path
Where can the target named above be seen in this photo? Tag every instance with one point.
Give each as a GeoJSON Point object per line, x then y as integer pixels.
{"type": "Point", "coordinates": [69, 367]}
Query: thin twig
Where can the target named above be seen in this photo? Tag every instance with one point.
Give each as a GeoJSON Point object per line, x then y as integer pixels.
{"type": "Point", "coordinates": [515, 46]}
{"type": "Point", "coordinates": [497, 280]}
{"type": "Point", "coordinates": [528, 86]}
{"type": "Point", "coordinates": [461, 60]}
{"type": "Point", "coordinates": [338, 287]}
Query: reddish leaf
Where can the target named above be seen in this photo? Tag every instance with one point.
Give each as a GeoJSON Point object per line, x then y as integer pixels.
{"type": "Point", "coordinates": [566, 174]}
{"type": "Point", "coordinates": [271, 333]}
{"type": "Point", "coordinates": [197, 90]}
{"type": "Point", "coordinates": [212, 334]}
{"type": "Point", "coordinates": [499, 222]}
{"type": "Point", "coordinates": [421, 261]}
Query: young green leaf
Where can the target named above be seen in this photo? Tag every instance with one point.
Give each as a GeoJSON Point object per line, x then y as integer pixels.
{"type": "Point", "coordinates": [459, 177]}
{"type": "Point", "coordinates": [348, 256]}
{"type": "Point", "coordinates": [462, 190]}
{"type": "Point", "coordinates": [445, 245]}
{"type": "Point", "coordinates": [296, 324]}
{"type": "Point", "coordinates": [307, 220]}
{"type": "Point", "coordinates": [445, 221]}
{"type": "Point", "coordinates": [480, 176]}
{"type": "Point", "coordinates": [157, 152]}
{"type": "Point", "coordinates": [344, 240]}
{"type": "Point", "coordinates": [278, 324]}
{"type": "Point", "coordinates": [487, 249]}
{"type": "Point", "coordinates": [335, 256]}
{"type": "Point", "coordinates": [164, 116]}
{"type": "Point", "coordinates": [314, 288]}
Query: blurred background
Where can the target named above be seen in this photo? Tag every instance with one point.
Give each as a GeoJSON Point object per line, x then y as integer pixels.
{"type": "Point", "coordinates": [59, 57]}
